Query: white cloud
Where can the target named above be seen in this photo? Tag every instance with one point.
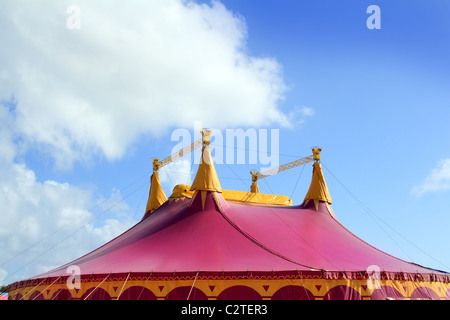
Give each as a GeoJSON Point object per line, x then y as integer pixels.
{"type": "Point", "coordinates": [438, 179]}
{"type": "Point", "coordinates": [299, 115]}
{"type": "Point", "coordinates": [45, 224]}
{"type": "Point", "coordinates": [133, 68]}
{"type": "Point", "coordinates": [307, 111]}
{"type": "Point", "coordinates": [32, 210]}
{"type": "Point", "coordinates": [181, 171]}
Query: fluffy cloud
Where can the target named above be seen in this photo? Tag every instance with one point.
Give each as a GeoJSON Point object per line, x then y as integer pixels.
{"type": "Point", "coordinates": [438, 179]}
{"type": "Point", "coordinates": [37, 216]}
{"type": "Point", "coordinates": [181, 171]}
{"type": "Point", "coordinates": [132, 68]}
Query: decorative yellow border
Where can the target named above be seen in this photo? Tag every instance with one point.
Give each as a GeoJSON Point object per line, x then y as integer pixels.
{"type": "Point", "coordinates": [213, 285]}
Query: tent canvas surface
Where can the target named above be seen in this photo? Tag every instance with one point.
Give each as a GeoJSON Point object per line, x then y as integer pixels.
{"type": "Point", "coordinates": [208, 243]}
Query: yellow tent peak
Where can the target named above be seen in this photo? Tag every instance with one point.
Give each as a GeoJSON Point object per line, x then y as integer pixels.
{"type": "Point", "coordinates": [254, 187]}
{"type": "Point", "coordinates": [318, 190]}
{"type": "Point", "coordinates": [156, 195]}
{"type": "Point", "coordinates": [183, 191]}
{"type": "Point", "coordinates": [206, 178]}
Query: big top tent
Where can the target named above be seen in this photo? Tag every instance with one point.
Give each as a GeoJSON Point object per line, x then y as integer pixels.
{"type": "Point", "coordinates": [205, 242]}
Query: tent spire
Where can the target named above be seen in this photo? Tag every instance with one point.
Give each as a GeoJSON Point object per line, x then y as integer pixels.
{"type": "Point", "coordinates": [206, 179]}
{"type": "Point", "coordinates": [254, 187]}
{"type": "Point", "coordinates": [318, 190]}
{"type": "Point", "coordinates": [156, 196]}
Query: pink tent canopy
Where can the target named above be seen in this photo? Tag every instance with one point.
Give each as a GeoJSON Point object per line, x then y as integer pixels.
{"type": "Point", "coordinates": [203, 246]}
{"type": "Point", "coordinates": [178, 237]}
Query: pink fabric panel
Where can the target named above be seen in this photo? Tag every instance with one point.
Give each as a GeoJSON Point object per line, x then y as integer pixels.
{"type": "Point", "coordinates": [313, 238]}
{"type": "Point", "coordinates": [137, 293]}
{"type": "Point", "coordinates": [99, 294]}
{"type": "Point", "coordinates": [342, 293]}
{"type": "Point", "coordinates": [293, 293]}
{"type": "Point", "coordinates": [186, 293]}
{"type": "Point", "coordinates": [178, 237]}
{"type": "Point", "coordinates": [37, 295]}
{"type": "Point", "coordinates": [386, 292]}
{"type": "Point", "coordinates": [239, 293]}
{"type": "Point", "coordinates": [424, 293]}
{"type": "Point", "coordinates": [62, 294]}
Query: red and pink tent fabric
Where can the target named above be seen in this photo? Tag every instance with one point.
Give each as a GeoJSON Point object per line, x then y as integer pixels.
{"type": "Point", "coordinates": [204, 246]}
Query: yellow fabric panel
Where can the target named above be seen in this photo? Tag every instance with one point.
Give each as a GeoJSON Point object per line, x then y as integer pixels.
{"type": "Point", "coordinates": [156, 195]}
{"type": "Point", "coordinates": [330, 210]}
{"type": "Point", "coordinates": [318, 189]}
{"type": "Point", "coordinates": [257, 198]}
{"type": "Point", "coordinates": [206, 178]}
{"type": "Point", "coordinates": [182, 190]}
{"type": "Point", "coordinates": [212, 286]}
{"type": "Point", "coordinates": [254, 187]}
{"type": "Point", "coordinates": [203, 193]}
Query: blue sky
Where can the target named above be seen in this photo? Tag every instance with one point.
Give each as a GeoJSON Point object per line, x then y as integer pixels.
{"type": "Point", "coordinates": [381, 106]}
{"type": "Point", "coordinates": [84, 110]}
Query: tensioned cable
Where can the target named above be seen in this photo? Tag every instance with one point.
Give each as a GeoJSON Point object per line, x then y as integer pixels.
{"type": "Point", "coordinates": [367, 212]}
{"type": "Point", "coordinates": [265, 180]}
{"type": "Point", "coordinates": [303, 285]}
{"type": "Point", "coordinates": [139, 205]}
{"type": "Point", "coordinates": [46, 288]}
{"type": "Point", "coordinates": [298, 179]}
{"type": "Point", "coordinates": [32, 290]}
{"type": "Point", "coordinates": [67, 224]}
{"type": "Point", "coordinates": [192, 287]}
{"type": "Point", "coordinates": [91, 209]}
{"type": "Point", "coordinates": [250, 150]}
{"type": "Point", "coordinates": [146, 175]}
{"type": "Point", "coordinates": [220, 177]}
{"type": "Point", "coordinates": [123, 286]}
{"type": "Point", "coordinates": [190, 172]}
{"type": "Point", "coordinates": [168, 176]}
{"type": "Point", "coordinates": [89, 295]}
{"type": "Point", "coordinates": [79, 217]}
{"type": "Point", "coordinates": [144, 286]}
{"type": "Point", "coordinates": [79, 229]}
{"type": "Point", "coordinates": [259, 244]}
{"type": "Point", "coordinates": [302, 238]}
{"type": "Point", "coordinates": [372, 214]}
{"type": "Point", "coordinates": [56, 294]}
{"type": "Point", "coordinates": [239, 178]}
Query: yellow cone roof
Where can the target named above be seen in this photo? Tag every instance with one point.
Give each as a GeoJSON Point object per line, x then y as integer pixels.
{"type": "Point", "coordinates": [206, 178]}
{"type": "Point", "coordinates": [254, 187]}
{"type": "Point", "coordinates": [156, 195]}
{"type": "Point", "coordinates": [318, 190]}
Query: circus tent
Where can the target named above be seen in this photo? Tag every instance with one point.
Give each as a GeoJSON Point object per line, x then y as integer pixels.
{"type": "Point", "coordinates": [205, 242]}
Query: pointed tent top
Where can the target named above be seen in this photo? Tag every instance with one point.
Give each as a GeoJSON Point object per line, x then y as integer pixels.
{"type": "Point", "coordinates": [318, 190]}
{"type": "Point", "coordinates": [254, 187]}
{"type": "Point", "coordinates": [206, 178]}
{"type": "Point", "coordinates": [316, 153]}
{"type": "Point", "coordinates": [156, 195]}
